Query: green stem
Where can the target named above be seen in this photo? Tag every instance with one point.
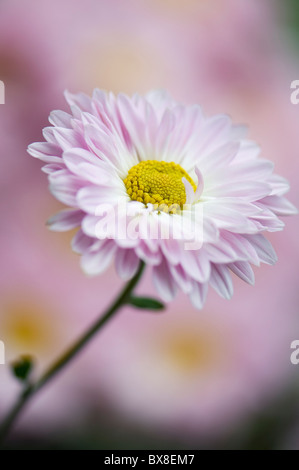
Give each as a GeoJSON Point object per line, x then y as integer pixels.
{"type": "Point", "coordinates": [32, 389]}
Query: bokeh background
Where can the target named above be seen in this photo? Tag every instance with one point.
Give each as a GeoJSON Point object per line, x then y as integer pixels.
{"type": "Point", "coordinates": [181, 379]}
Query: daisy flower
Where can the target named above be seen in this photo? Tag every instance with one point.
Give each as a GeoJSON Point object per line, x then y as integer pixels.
{"type": "Point", "coordinates": [149, 179]}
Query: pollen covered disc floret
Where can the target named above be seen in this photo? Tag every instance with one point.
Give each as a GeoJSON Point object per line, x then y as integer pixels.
{"type": "Point", "coordinates": [159, 183]}
{"type": "Point", "coordinates": [149, 179]}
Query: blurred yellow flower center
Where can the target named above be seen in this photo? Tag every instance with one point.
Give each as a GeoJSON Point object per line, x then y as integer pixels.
{"type": "Point", "coordinates": [158, 183]}
{"type": "Point", "coordinates": [26, 329]}
{"type": "Point", "coordinates": [190, 352]}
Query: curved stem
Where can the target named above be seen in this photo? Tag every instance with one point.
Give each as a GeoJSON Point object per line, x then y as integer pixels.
{"type": "Point", "coordinates": [32, 389]}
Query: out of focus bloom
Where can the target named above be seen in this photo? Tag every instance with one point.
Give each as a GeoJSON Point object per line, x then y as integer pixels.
{"type": "Point", "coordinates": [198, 376]}
{"type": "Point", "coordinates": [149, 179]}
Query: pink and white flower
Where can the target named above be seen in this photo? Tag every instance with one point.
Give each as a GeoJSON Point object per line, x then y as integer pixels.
{"type": "Point", "coordinates": [174, 155]}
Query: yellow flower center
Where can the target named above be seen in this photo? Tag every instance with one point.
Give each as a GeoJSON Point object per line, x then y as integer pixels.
{"type": "Point", "coordinates": [27, 327]}
{"type": "Point", "coordinates": [158, 183]}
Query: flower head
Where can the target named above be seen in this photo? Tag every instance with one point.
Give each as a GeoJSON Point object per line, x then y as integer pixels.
{"type": "Point", "coordinates": [149, 179]}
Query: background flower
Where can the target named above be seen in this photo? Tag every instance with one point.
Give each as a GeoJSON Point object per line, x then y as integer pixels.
{"type": "Point", "coordinates": [194, 377]}
{"type": "Point", "coordinates": [232, 59]}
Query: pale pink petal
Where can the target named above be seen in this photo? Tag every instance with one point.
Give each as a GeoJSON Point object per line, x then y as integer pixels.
{"type": "Point", "coordinates": [126, 263]}
{"type": "Point", "coordinates": [78, 102]}
{"type": "Point", "coordinates": [90, 199]}
{"type": "Point", "coordinates": [61, 119]}
{"type": "Point", "coordinates": [65, 186]}
{"type": "Point", "coordinates": [81, 242]}
{"type": "Point", "coordinates": [45, 151]}
{"type": "Point", "coordinates": [221, 280]}
{"type": "Point", "coordinates": [65, 220]}
{"type": "Point", "coordinates": [200, 184]}
{"type": "Point", "coordinates": [279, 205]}
{"type": "Point", "coordinates": [181, 278]}
{"type": "Point", "coordinates": [197, 267]}
{"type": "Point", "coordinates": [219, 158]}
{"type": "Point", "coordinates": [88, 166]}
{"type": "Point", "coordinates": [198, 294]}
{"type": "Point", "coordinates": [160, 100]}
{"type": "Point", "coordinates": [243, 270]}
{"type": "Point", "coordinates": [96, 262]}
{"type": "Point", "coordinates": [53, 167]}
{"type": "Point", "coordinates": [241, 247]}
{"type": "Point", "coordinates": [246, 190]}
{"type": "Point", "coordinates": [164, 282]}
{"type": "Point", "coordinates": [189, 191]}
{"type": "Point", "coordinates": [279, 185]}
{"type": "Point", "coordinates": [251, 170]}
{"type": "Point", "coordinates": [263, 248]}
{"type": "Point", "coordinates": [171, 250]}
{"type": "Point", "coordinates": [152, 258]}
{"type": "Point", "coordinates": [68, 138]}
{"type": "Point", "coordinates": [214, 132]}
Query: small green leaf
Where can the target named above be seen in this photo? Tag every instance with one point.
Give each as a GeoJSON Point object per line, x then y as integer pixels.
{"type": "Point", "coordinates": [22, 367]}
{"type": "Point", "coordinates": [146, 303]}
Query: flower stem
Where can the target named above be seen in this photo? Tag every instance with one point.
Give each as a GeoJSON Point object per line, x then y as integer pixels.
{"type": "Point", "coordinates": [32, 388]}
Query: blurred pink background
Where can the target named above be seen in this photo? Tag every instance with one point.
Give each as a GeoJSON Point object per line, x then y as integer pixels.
{"type": "Point", "coordinates": [181, 378]}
